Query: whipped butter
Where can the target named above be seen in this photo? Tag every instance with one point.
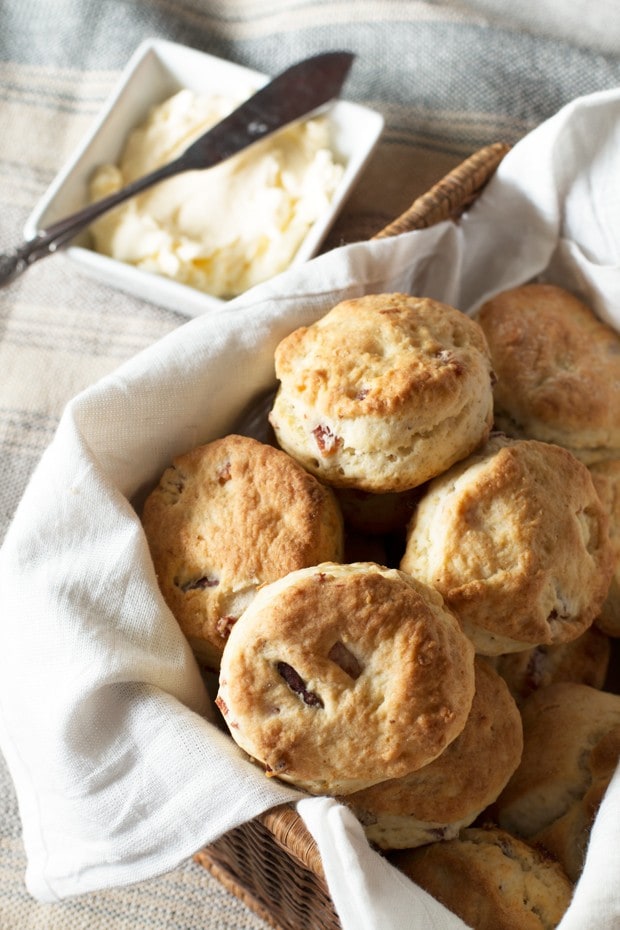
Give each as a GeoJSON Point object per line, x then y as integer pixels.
{"type": "Point", "coordinates": [223, 229]}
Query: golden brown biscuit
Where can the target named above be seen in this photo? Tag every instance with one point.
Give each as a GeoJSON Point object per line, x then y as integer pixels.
{"type": "Point", "coordinates": [339, 676]}
{"type": "Point", "coordinates": [491, 880]}
{"type": "Point", "coordinates": [606, 477]}
{"type": "Point", "coordinates": [549, 792]}
{"type": "Point", "coordinates": [584, 660]}
{"type": "Point", "coordinates": [437, 801]}
{"type": "Point", "coordinates": [558, 370]}
{"type": "Point", "coordinates": [225, 518]}
{"type": "Point", "coordinates": [515, 539]}
{"type": "Point", "coordinates": [384, 392]}
{"type": "Point", "coordinates": [568, 837]}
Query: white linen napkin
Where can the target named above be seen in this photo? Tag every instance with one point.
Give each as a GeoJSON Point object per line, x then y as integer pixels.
{"type": "Point", "coordinates": [104, 718]}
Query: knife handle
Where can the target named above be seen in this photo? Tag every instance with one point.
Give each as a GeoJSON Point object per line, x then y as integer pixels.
{"type": "Point", "coordinates": [58, 234]}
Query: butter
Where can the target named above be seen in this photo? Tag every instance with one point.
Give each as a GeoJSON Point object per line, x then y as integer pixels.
{"type": "Point", "coordinates": [223, 229]}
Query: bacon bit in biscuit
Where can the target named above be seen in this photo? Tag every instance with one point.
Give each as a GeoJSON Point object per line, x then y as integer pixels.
{"type": "Point", "coordinates": [279, 767]}
{"type": "Point", "coordinates": [223, 473]}
{"type": "Point", "coordinates": [327, 442]}
{"type": "Point", "coordinates": [221, 703]}
{"type": "Point", "coordinates": [344, 659]}
{"type": "Point", "coordinates": [298, 685]}
{"type": "Point", "coordinates": [224, 625]}
{"type": "Point", "coordinates": [446, 357]}
{"type": "Point", "coordinates": [505, 847]}
{"type": "Point", "coordinates": [362, 393]}
{"type": "Point", "coordinates": [198, 584]}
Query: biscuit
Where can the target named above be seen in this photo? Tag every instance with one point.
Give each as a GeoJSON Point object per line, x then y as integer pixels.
{"type": "Point", "coordinates": [562, 725]}
{"type": "Point", "coordinates": [606, 477]}
{"type": "Point", "coordinates": [339, 676]}
{"type": "Point", "coordinates": [224, 519]}
{"type": "Point", "coordinates": [491, 880]}
{"type": "Point", "coordinates": [516, 540]}
{"type": "Point", "coordinates": [585, 660]}
{"type": "Point", "coordinates": [567, 838]}
{"type": "Point", "coordinates": [558, 370]}
{"type": "Point", "coordinates": [437, 801]}
{"type": "Point", "coordinates": [384, 392]}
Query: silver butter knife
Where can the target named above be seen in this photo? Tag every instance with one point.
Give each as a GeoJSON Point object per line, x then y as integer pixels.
{"type": "Point", "coordinates": [293, 94]}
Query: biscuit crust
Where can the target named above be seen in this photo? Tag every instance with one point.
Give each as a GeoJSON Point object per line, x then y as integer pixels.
{"type": "Point", "coordinates": [558, 370]}
{"type": "Point", "coordinates": [339, 676]}
{"type": "Point", "coordinates": [516, 540]}
{"type": "Point", "coordinates": [606, 477]}
{"type": "Point", "coordinates": [561, 726]}
{"type": "Point", "coordinates": [225, 518]}
{"type": "Point", "coordinates": [492, 880]}
{"type": "Point", "coordinates": [437, 801]}
{"type": "Point", "coordinates": [384, 392]}
{"type": "Point", "coordinates": [567, 838]}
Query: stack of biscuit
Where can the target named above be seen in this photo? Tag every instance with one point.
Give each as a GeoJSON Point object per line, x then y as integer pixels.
{"type": "Point", "coordinates": [429, 548]}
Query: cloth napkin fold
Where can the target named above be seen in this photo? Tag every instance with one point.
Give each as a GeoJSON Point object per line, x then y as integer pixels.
{"type": "Point", "coordinates": [104, 718]}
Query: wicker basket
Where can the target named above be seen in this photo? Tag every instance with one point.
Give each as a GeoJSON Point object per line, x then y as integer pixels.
{"type": "Point", "coordinates": [272, 863]}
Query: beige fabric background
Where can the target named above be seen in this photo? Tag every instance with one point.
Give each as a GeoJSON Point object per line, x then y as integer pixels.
{"type": "Point", "coordinates": [448, 78]}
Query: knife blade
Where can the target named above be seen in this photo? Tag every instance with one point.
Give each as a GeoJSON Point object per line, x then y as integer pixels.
{"type": "Point", "coordinates": [300, 90]}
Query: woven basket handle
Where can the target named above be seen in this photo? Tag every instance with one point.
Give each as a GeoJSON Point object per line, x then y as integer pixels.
{"type": "Point", "coordinates": [450, 196]}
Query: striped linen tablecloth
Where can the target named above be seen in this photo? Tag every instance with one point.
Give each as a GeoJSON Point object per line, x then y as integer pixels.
{"type": "Point", "coordinates": [448, 79]}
